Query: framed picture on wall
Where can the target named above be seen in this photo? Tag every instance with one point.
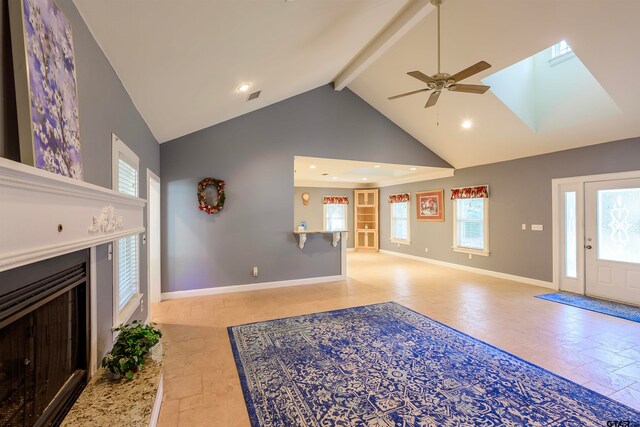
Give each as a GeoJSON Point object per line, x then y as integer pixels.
{"type": "Point", "coordinates": [430, 205]}
{"type": "Point", "coordinates": [46, 94]}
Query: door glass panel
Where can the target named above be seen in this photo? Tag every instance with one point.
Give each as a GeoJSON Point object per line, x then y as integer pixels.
{"type": "Point", "coordinates": [370, 199]}
{"type": "Point", "coordinates": [570, 236]}
{"type": "Point", "coordinates": [619, 225]}
{"type": "Point", "coordinates": [370, 240]}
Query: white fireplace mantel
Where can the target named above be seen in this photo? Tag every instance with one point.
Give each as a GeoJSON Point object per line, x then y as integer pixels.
{"type": "Point", "coordinates": [43, 215]}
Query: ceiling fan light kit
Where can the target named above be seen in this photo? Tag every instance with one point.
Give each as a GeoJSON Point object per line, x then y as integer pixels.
{"type": "Point", "coordinates": [441, 81]}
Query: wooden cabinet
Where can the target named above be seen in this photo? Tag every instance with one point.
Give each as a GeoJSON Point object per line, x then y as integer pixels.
{"type": "Point", "coordinates": [366, 240]}
{"type": "Point", "coordinates": [366, 220]}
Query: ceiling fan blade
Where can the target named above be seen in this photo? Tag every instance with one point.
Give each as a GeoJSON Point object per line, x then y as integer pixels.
{"type": "Point", "coordinates": [468, 72]}
{"type": "Point", "coordinates": [432, 99]}
{"type": "Point", "coordinates": [421, 76]}
{"type": "Point", "coordinates": [479, 89]}
{"type": "Point", "coordinates": [408, 93]}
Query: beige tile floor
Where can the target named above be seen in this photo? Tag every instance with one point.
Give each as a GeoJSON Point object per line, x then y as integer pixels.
{"type": "Point", "coordinates": [201, 381]}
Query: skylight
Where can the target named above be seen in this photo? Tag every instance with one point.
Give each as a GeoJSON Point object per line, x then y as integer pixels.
{"type": "Point", "coordinates": [551, 90]}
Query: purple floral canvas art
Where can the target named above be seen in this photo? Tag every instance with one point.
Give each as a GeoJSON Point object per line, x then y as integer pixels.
{"type": "Point", "coordinates": [53, 99]}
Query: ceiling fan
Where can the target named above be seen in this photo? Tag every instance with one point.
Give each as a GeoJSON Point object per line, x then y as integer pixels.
{"type": "Point", "coordinates": [441, 81]}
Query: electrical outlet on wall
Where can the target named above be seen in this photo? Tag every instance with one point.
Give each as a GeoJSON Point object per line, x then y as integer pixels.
{"type": "Point", "coordinates": [426, 249]}
{"type": "Point", "coordinates": [524, 226]}
{"type": "Point", "coordinates": [470, 256]}
{"type": "Point", "coordinates": [255, 271]}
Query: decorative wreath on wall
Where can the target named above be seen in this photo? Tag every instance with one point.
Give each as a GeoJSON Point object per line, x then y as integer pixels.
{"type": "Point", "coordinates": [202, 198]}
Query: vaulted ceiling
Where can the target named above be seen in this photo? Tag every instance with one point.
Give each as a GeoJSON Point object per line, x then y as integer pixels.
{"type": "Point", "coordinates": [181, 62]}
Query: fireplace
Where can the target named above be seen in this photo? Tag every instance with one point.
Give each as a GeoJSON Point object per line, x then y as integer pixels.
{"type": "Point", "coordinates": [48, 291]}
{"type": "Point", "coordinates": [44, 339]}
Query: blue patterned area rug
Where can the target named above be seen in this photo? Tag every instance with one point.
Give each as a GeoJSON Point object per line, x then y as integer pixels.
{"type": "Point", "coordinates": [611, 308]}
{"type": "Point", "coordinates": [386, 365]}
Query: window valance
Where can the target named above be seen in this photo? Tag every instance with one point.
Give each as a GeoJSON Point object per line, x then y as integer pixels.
{"type": "Point", "coordinates": [335, 200]}
{"type": "Point", "coordinates": [399, 198]}
{"type": "Point", "coordinates": [477, 192]}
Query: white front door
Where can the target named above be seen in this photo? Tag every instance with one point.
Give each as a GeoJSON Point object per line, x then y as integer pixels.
{"type": "Point", "coordinates": [612, 240]}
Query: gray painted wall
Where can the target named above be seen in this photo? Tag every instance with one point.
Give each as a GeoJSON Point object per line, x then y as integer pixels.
{"type": "Point", "coordinates": [312, 213]}
{"type": "Point", "coordinates": [254, 155]}
{"type": "Point", "coordinates": [105, 107]}
{"type": "Point", "coordinates": [519, 193]}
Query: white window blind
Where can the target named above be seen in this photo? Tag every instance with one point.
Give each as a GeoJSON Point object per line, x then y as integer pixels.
{"type": "Point", "coordinates": [470, 223]}
{"type": "Point", "coordinates": [127, 178]}
{"type": "Point", "coordinates": [400, 221]}
{"type": "Point", "coordinates": [127, 269]}
{"type": "Point", "coordinates": [335, 217]}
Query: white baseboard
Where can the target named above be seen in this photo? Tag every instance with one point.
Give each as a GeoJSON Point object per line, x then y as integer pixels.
{"type": "Point", "coordinates": [157, 403]}
{"type": "Point", "coordinates": [497, 274]}
{"type": "Point", "coordinates": [250, 287]}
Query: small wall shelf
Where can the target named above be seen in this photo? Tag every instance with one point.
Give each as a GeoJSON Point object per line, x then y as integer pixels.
{"type": "Point", "coordinates": [302, 235]}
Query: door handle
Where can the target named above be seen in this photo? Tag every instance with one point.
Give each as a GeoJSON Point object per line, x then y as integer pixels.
{"type": "Point", "coordinates": [588, 247]}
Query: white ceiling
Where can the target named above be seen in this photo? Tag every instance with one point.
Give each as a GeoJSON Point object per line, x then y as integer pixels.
{"type": "Point", "coordinates": [320, 172]}
{"type": "Point", "coordinates": [181, 61]}
{"type": "Point", "coordinates": [603, 34]}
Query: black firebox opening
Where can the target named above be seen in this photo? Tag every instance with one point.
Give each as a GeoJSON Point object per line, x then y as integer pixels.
{"type": "Point", "coordinates": [44, 339]}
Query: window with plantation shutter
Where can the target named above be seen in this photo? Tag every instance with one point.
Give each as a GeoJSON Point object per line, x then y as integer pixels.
{"type": "Point", "coordinates": [127, 178]}
{"type": "Point", "coordinates": [126, 285]}
{"type": "Point", "coordinates": [127, 269]}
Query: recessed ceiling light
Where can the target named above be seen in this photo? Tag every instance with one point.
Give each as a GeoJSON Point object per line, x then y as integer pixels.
{"type": "Point", "coordinates": [334, 177]}
{"type": "Point", "coordinates": [244, 87]}
{"type": "Point", "coordinates": [467, 124]}
{"type": "Point", "coordinates": [412, 169]}
{"type": "Point", "coordinates": [364, 179]}
{"type": "Point", "coordinates": [376, 166]}
{"type": "Point", "coordinates": [312, 167]}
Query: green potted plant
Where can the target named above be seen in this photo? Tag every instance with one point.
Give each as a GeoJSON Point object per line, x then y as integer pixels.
{"type": "Point", "coordinates": [128, 353]}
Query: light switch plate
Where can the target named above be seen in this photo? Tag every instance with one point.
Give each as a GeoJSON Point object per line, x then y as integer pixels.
{"type": "Point", "coordinates": [536, 227]}
{"type": "Point", "coordinates": [524, 226]}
